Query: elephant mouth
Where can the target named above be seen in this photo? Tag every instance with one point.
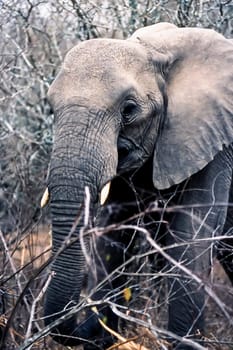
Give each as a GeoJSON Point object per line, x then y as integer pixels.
{"type": "Point", "coordinates": [123, 150]}
{"type": "Point", "coordinates": [129, 158]}
{"type": "Point", "coordinates": [129, 155]}
{"type": "Point", "coordinates": [124, 153]}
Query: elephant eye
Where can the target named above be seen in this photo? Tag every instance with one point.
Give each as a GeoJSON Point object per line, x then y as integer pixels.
{"type": "Point", "coordinates": [128, 111]}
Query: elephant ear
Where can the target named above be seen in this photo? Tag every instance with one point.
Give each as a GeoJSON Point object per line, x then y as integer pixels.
{"type": "Point", "coordinates": [199, 85]}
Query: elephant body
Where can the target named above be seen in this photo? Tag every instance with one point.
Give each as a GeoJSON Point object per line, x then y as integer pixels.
{"type": "Point", "coordinates": [154, 115]}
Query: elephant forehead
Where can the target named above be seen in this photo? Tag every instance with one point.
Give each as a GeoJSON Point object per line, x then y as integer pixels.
{"type": "Point", "coordinates": [99, 70]}
{"type": "Point", "coordinates": [89, 91]}
{"type": "Point", "coordinates": [100, 56]}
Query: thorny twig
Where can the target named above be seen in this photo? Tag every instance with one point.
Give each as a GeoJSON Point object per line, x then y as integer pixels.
{"type": "Point", "coordinates": [34, 304]}
{"type": "Point", "coordinates": [86, 302]}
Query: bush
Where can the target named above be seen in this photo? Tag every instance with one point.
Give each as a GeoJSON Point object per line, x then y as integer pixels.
{"type": "Point", "coordinates": [35, 35]}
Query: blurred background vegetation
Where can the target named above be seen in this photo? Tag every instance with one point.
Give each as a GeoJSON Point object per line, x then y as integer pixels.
{"type": "Point", "coordinates": [34, 37]}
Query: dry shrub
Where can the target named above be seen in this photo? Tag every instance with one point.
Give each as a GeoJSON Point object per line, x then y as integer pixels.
{"type": "Point", "coordinates": [35, 35]}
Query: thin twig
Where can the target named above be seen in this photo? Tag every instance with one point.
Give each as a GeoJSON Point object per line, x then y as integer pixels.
{"type": "Point", "coordinates": [35, 302]}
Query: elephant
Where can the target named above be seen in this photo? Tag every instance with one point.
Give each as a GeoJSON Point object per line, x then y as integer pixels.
{"type": "Point", "coordinates": [140, 124]}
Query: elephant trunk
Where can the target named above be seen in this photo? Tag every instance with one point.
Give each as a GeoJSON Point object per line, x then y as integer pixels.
{"type": "Point", "coordinates": [72, 169]}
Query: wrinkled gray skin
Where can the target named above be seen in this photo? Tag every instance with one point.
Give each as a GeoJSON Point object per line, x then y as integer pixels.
{"type": "Point", "coordinates": [159, 103]}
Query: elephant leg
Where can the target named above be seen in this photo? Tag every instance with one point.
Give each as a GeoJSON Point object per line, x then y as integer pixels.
{"type": "Point", "coordinates": [197, 217]}
{"type": "Point", "coordinates": [111, 252]}
{"type": "Point", "coordinates": [225, 247]}
{"type": "Point", "coordinates": [106, 282]}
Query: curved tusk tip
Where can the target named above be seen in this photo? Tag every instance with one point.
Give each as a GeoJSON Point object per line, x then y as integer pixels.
{"type": "Point", "coordinates": [45, 198]}
{"type": "Point", "coordinates": [104, 193]}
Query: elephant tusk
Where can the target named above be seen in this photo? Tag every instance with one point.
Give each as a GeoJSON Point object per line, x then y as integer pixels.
{"type": "Point", "coordinates": [45, 198]}
{"type": "Point", "coordinates": [104, 193]}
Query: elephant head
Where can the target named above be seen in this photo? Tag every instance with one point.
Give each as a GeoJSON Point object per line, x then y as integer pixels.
{"type": "Point", "coordinates": [165, 93]}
